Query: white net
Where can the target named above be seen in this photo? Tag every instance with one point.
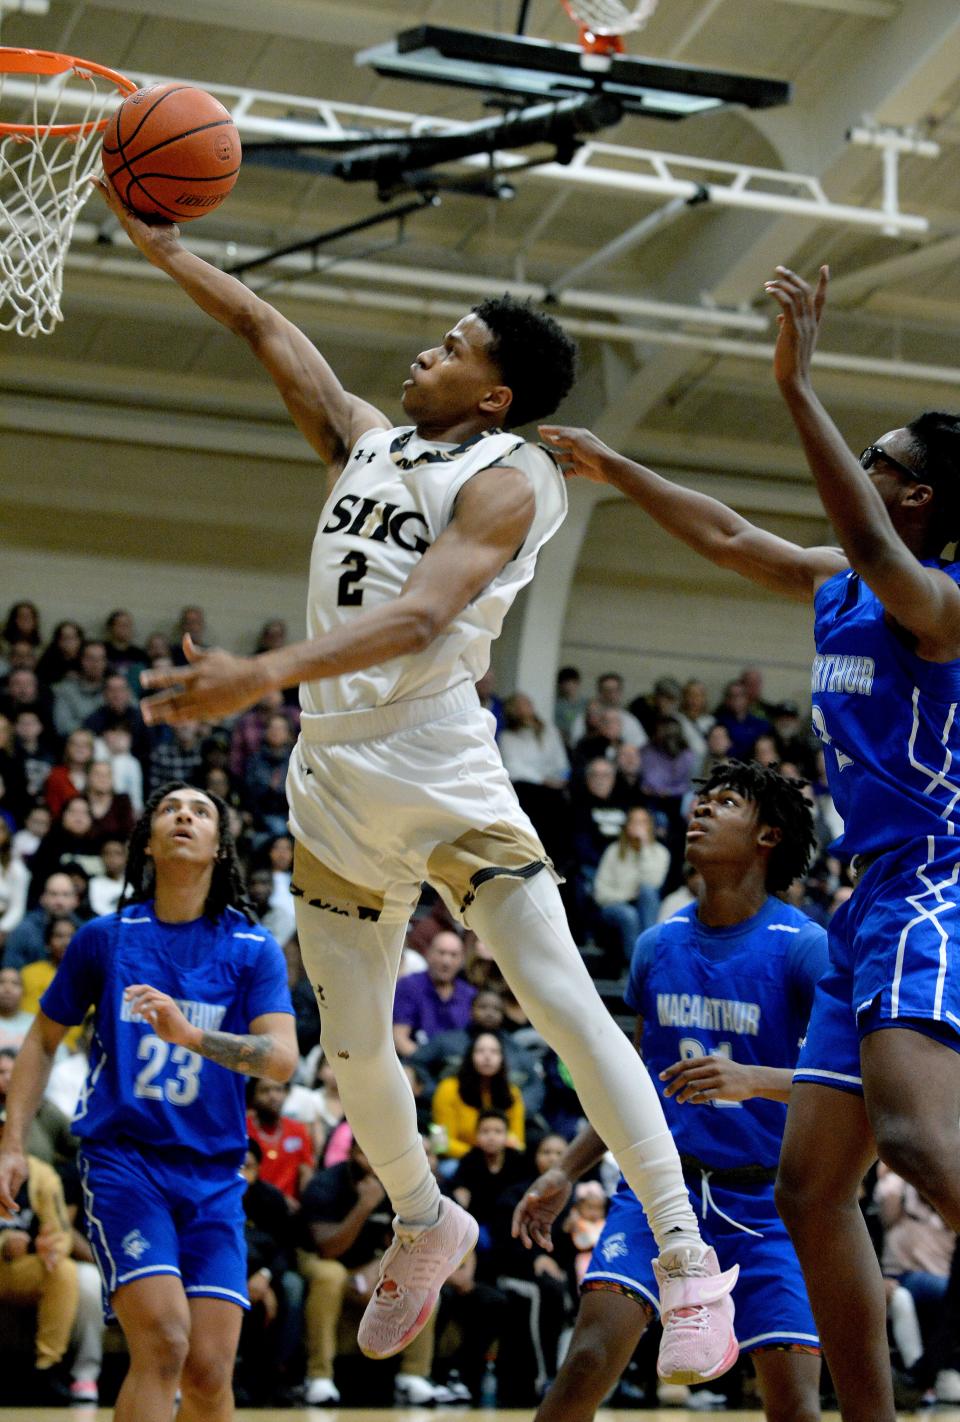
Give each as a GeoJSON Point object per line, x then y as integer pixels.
{"type": "Point", "coordinates": [44, 183]}
{"type": "Point", "coordinates": [611, 17]}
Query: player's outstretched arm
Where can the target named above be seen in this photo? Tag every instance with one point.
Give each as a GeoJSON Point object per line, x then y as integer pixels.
{"type": "Point", "coordinates": [923, 600]}
{"type": "Point", "coordinates": [269, 1049]}
{"type": "Point", "coordinates": [707, 526]}
{"type": "Point", "coordinates": [534, 1216]}
{"type": "Point", "coordinates": [31, 1072]}
{"type": "Point", "coordinates": [328, 417]}
{"type": "Point", "coordinates": [492, 517]}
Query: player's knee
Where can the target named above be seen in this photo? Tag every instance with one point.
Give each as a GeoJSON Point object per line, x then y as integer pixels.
{"type": "Point", "coordinates": [207, 1373]}
{"type": "Point", "coordinates": [165, 1346]}
{"type": "Point", "coordinates": [590, 1366]}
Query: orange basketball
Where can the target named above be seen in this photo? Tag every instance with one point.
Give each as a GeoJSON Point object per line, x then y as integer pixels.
{"type": "Point", "coordinates": [172, 152]}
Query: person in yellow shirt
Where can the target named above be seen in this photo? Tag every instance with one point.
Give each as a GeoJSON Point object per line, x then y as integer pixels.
{"type": "Point", "coordinates": [481, 1084]}
{"type": "Point", "coordinates": [36, 1269]}
{"type": "Point", "coordinates": [38, 976]}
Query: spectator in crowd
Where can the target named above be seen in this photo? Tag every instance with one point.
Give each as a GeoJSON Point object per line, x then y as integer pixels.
{"type": "Point", "coordinates": [345, 1227]}
{"type": "Point", "coordinates": [288, 1157]}
{"type": "Point", "coordinates": [62, 657]}
{"type": "Point", "coordinates": [481, 1084]}
{"type": "Point", "coordinates": [629, 878]}
{"type": "Point", "coordinates": [126, 771]}
{"type": "Point", "coordinates": [280, 920]}
{"type": "Point", "coordinates": [158, 649]}
{"type": "Point", "coordinates": [48, 1138]}
{"type": "Point", "coordinates": [751, 679]}
{"type": "Point", "coordinates": [272, 634]}
{"type": "Point", "coordinates": [14, 1021]}
{"type": "Point", "coordinates": [192, 622]}
{"type": "Point", "coordinates": [36, 1271]}
{"type": "Point", "coordinates": [719, 749]}
{"type": "Point", "coordinates": [14, 881]}
{"type": "Point", "coordinates": [442, 1055]}
{"type": "Point", "coordinates": [22, 624]}
{"type": "Point", "coordinates": [917, 1248]}
{"type": "Point", "coordinates": [27, 942]}
{"type": "Point", "coordinates": [120, 708]}
{"type": "Point", "coordinates": [536, 761]}
{"type": "Point", "coordinates": [694, 717]}
{"type": "Point", "coordinates": [266, 776]}
{"type": "Point", "coordinates": [489, 700]}
{"type": "Point", "coordinates": [246, 738]}
{"type": "Point", "coordinates": [584, 1223]}
{"type": "Point", "coordinates": [435, 1001]}
{"type": "Point", "coordinates": [628, 787]}
{"type": "Point", "coordinates": [610, 697]}
{"type": "Point", "coordinates": [664, 700]}
{"type": "Point", "coordinates": [280, 860]}
{"type": "Point", "coordinates": [21, 656]}
{"type": "Point", "coordinates": [123, 653]}
{"type": "Point", "coordinates": [38, 975]}
{"type": "Point", "coordinates": [687, 892]}
{"type": "Point", "coordinates": [70, 839]}
{"type": "Point", "coordinates": [570, 702]}
{"type": "Point", "coordinates": [598, 818]}
{"type": "Point", "coordinates": [742, 724]}
{"type": "Point", "coordinates": [70, 777]}
{"type": "Point", "coordinates": [603, 739]}
{"type": "Point", "coordinates": [88, 1331]}
{"type": "Point", "coordinates": [36, 824]}
{"type": "Point", "coordinates": [667, 766]}
{"type": "Point", "coordinates": [12, 784]}
{"type": "Point", "coordinates": [316, 1106]}
{"type": "Point", "coordinates": [270, 1335]}
{"type": "Point", "coordinates": [490, 1167]}
{"type": "Point", "coordinates": [179, 756]}
{"type": "Point", "coordinates": [112, 813]}
{"type": "Point", "coordinates": [793, 743]}
{"type": "Point", "coordinates": [78, 695]}
{"type": "Point", "coordinates": [104, 890]}
{"type": "Point", "coordinates": [33, 752]}
{"type": "Point", "coordinates": [25, 692]}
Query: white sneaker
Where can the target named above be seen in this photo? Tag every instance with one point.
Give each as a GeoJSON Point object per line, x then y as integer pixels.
{"type": "Point", "coordinates": [948, 1385]}
{"type": "Point", "coordinates": [321, 1393]}
{"type": "Point", "coordinates": [696, 1311]}
{"type": "Point", "coordinates": [413, 1391]}
{"type": "Point", "coordinates": [412, 1273]}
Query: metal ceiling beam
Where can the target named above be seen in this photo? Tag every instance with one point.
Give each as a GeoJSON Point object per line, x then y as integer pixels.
{"type": "Point", "coordinates": [867, 9]}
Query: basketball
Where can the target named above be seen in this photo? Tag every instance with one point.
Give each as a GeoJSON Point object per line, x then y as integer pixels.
{"type": "Point", "coordinates": [172, 151]}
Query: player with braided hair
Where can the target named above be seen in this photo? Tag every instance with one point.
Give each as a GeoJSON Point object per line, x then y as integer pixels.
{"type": "Point", "coordinates": [722, 991]}
{"type": "Point", "coordinates": [880, 1069]}
{"type": "Point", "coordinates": [189, 996]}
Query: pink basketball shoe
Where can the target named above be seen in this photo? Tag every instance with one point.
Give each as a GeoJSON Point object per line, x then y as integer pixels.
{"type": "Point", "coordinates": [412, 1273]}
{"type": "Point", "coordinates": [696, 1311]}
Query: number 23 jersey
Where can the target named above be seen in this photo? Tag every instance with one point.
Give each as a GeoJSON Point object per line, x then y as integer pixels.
{"type": "Point", "coordinates": [221, 974]}
{"type": "Point", "coordinates": [392, 502]}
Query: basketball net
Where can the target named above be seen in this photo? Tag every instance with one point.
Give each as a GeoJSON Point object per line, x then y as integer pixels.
{"type": "Point", "coordinates": [603, 23]}
{"type": "Point", "coordinates": [45, 167]}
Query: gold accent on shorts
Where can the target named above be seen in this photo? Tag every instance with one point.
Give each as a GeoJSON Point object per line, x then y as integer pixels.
{"type": "Point", "coordinates": [322, 888]}
{"type": "Point", "coordinates": [459, 868]}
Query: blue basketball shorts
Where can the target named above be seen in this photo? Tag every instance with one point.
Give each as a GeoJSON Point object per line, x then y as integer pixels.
{"type": "Point", "coordinates": [743, 1226]}
{"type": "Point", "coordinates": [151, 1213]}
{"type": "Point", "coordinates": [894, 962]}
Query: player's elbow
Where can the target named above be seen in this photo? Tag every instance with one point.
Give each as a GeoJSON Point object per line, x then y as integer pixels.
{"type": "Point", "coordinates": [282, 1063]}
{"type": "Point", "coordinates": [252, 320]}
{"type": "Point", "coordinates": [422, 624]}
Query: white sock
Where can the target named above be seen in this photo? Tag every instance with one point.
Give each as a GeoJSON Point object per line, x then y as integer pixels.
{"type": "Point", "coordinates": [524, 924]}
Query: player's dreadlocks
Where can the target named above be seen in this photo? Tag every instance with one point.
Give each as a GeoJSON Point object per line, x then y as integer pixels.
{"type": "Point", "coordinates": [781, 805]}
{"type": "Point", "coordinates": [227, 886]}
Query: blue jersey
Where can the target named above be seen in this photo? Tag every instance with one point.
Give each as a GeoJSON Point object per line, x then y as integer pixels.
{"type": "Point", "coordinates": [888, 721]}
{"type": "Point", "coordinates": [743, 992]}
{"type": "Point", "coordinates": [223, 975]}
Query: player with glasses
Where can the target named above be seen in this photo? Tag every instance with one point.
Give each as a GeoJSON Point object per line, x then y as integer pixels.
{"type": "Point", "coordinates": [880, 1069]}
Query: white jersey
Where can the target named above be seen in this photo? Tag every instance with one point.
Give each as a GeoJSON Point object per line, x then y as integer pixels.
{"type": "Point", "coordinates": [392, 501]}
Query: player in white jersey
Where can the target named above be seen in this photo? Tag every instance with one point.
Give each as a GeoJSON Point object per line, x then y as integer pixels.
{"type": "Point", "coordinates": [427, 534]}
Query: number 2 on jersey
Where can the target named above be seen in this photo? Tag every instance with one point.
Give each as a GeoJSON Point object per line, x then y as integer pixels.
{"type": "Point", "coordinates": [180, 1090]}
{"type": "Point", "coordinates": [349, 592]}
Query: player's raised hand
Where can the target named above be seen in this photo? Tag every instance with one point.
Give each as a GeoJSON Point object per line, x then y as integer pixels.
{"type": "Point", "coordinates": [578, 452]}
{"type": "Point", "coordinates": [150, 237]}
{"type": "Point", "coordinates": [540, 1206]}
{"type": "Point", "coordinates": [161, 1012]}
{"type": "Point", "coordinates": [700, 1080]}
{"type": "Point", "coordinates": [13, 1172]}
{"type": "Point", "coordinates": [801, 307]}
{"type": "Point", "coordinates": [215, 684]}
